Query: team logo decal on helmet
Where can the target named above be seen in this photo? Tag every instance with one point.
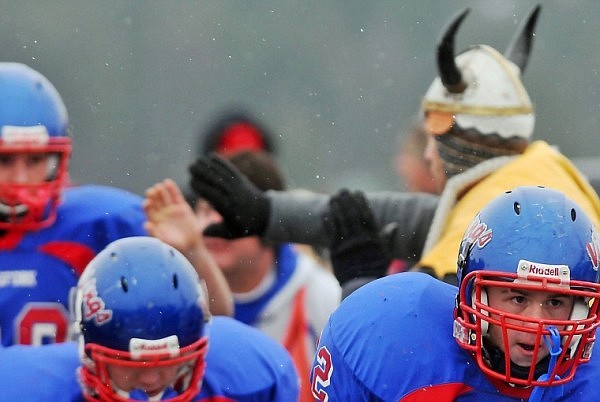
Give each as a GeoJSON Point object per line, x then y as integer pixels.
{"type": "Point", "coordinates": [94, 307]}
{"type": "Point", "coordinates": [478, 233]}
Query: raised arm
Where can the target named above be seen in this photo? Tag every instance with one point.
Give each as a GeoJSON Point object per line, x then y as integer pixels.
{"type": "Point", "coordinates": [403, 219]}
{"type": "Point", "coordinates": [171, 219]}
{"type": "Point", "coordinates": [297, 216]}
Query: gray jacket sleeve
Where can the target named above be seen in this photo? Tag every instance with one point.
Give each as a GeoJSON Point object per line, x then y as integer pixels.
{"type": "Point", "coordinates": [404, 218]}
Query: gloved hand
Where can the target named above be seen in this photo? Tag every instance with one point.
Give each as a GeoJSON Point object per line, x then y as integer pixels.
{"type": "Point", "coordinates": [245, 209]}
{"type": "Point", "coordinates": [356, 248]}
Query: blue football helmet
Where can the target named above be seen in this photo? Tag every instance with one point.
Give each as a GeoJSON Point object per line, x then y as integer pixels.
{"type": "Point", "coordinates": [33, 120]}
{"type": "Point", "coordinates": [140, 304]}
{"type": "Point", "coordinates": [526, 241]}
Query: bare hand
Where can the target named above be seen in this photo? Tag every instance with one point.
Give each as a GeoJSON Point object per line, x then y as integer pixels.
{"type": "Point", "coordinates": [170, 218]}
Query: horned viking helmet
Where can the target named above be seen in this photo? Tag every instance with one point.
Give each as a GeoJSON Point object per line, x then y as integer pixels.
{"type": "Point", "coordinates": [481, 87]}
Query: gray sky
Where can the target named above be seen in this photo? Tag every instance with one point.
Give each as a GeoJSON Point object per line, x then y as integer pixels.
{"type": "Point", "coordinates": [337, 81]}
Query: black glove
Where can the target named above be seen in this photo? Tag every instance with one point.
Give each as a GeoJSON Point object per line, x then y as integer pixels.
{"type": "Point", "coordinates": [245, 209]}
{"type": "Point", "coordinates": [356, 247]}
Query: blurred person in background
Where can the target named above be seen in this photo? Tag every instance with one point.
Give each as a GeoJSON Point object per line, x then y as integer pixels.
{"type": "Point", "coordinates": [479, 119]}
{"type": "Point", "coordinates": [276, 288]}
{"type": "Point", "coordinates": [171, 219]}
{"type": "Point", "coordinates": [49, 228]}
{"type": "Point", "coordinates": [409, 161]}
{"type": "Point", "coordinates": [414, 171]}
{"type": "Point", "coordinates": [235, 129]}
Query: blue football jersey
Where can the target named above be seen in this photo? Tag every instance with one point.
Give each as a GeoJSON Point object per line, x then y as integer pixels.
{"type": "Point", "coordinates": [242, 365]}
{"type": "Point", "coordinates": [391, 340]}
{"type": "Point", "coordinates": [38, 268]}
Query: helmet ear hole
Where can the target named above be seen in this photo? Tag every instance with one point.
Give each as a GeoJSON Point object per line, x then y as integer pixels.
{"type": "Point", "coordinates": [124, 284]}
{"type": "Point", "coordinates": [517, 208]}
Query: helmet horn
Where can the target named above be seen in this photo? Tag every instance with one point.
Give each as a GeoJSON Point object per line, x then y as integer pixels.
{"type": "Point", "coordinates": [520, 46]}
{"type": "Point", "coordinates": [449, 72]}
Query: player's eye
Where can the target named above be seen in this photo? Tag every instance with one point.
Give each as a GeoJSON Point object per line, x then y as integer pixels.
{"type": "Point", "coordinates": [6, 160]}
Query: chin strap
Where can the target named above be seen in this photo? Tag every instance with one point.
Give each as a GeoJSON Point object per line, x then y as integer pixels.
{"type": "Point", "coordinates": [552, 342]}
{"type": "Point", "coordinates": [139, 395]}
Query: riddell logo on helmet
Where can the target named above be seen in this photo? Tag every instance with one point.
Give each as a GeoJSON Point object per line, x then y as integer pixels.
{"type": "Point", "coordinates": [148, 347]}
{"type": "Point", "coordinates": [37, 135]}
{"type": "Point", "coordinates": [558, 275]}
{"type": "Point", "coordinates": [543, 271]}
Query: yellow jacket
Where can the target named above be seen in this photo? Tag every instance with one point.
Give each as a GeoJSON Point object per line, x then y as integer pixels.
{"type": "Point", "coordinates": [540, 164]}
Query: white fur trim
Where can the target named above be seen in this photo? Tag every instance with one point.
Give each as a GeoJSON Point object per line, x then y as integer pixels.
{"type": "Point", "coordinates": [454, 186]}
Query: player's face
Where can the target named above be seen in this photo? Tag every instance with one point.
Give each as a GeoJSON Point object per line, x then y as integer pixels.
{"type": "Point", "coordinates": [23, 168]}
{"type": "Point", "coordinates": [416, 173]}
{"type": "Point", "coordinates": [432, 157]}
{"type": "Point", "coordinates": [233, 257]}
{"type": "Point", "coordinates": [151, 380]}
{"type": "Point", "coordinates": [542, 305]}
